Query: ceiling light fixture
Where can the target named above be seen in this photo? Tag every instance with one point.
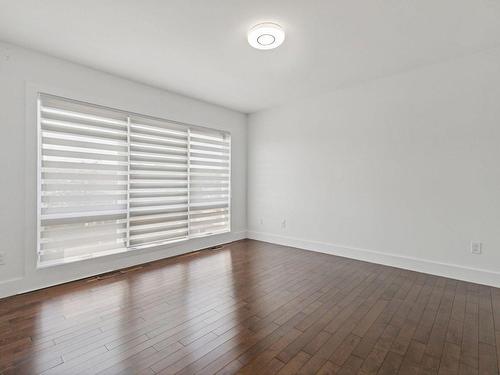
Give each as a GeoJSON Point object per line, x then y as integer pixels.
{"type": "Point", "coordinates": [266, 36]}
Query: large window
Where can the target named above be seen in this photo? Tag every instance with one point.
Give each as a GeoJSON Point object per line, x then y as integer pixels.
{"type": "Point", "coordinates": [110, 181]}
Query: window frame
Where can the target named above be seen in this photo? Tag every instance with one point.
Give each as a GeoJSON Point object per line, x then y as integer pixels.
{"type": "Point", "coordinates": [128, 248]}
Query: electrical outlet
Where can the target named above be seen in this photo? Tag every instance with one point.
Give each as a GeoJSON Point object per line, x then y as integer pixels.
{"type": "Point", "coordinates": [475, 247]}
{"type": "Point", "coordinates": [261, 221]}
{"type": "Point", "coordinates": [2, 259]}
{"type": "Point", "coordinates": [283, 224]}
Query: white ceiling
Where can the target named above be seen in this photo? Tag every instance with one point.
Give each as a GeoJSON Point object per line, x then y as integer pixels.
{"type": "Point", "coordinates": [199, 48]}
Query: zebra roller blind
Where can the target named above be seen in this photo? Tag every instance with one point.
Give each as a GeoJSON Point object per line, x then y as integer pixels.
{"type": "Point", "coordinates": [159, 195]}
{"type": "Point", "coordinates": [209, 168]}
{"type": "Point", "coordinates": [110, 181]}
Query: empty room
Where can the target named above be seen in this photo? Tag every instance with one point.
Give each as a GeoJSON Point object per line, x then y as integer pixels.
{"type": "Point", "coordinates": [250, 187]}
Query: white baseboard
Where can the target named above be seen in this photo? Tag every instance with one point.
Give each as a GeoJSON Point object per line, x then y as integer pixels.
{"type": "Point", "coordinates": [454, 271]}
{"type": "Point", "coordinates": [51, 276]}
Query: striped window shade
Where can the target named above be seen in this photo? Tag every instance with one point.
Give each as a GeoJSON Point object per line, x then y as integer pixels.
{"type": "Point", "coordinates": [209, 182]}
{"type": "Point", "coordinates": [158, 181]}
{"type": "Point", "coordinates": [110, 181]}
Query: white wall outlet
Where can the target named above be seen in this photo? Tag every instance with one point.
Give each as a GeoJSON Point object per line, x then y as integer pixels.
{"type": "Point", "coordinates": [283, 224]}
{"type": "Point", "coordinates": [2, 259]}
{"type": "Point", "coordinates": [475, 247]}
{"type": "Point", "coordinates": [261, 221]}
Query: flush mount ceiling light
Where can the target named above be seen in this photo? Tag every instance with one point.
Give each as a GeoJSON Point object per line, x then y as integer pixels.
{"type": "Point", "coordinates": [266, 36]}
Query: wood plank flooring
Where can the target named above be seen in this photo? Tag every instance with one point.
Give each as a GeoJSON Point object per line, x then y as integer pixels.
{"type": "Point", "coordinates": [254, 308]}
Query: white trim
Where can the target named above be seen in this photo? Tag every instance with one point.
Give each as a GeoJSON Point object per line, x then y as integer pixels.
{"type": "Point", "coordinates": [38, 178]}
{"type": "Point", "coordinates": [189, 182]}
{"type": "Point", "coordinates": [188, 129]}
{"type": "Point", "coordinates": [454, 271]}
{"type": "Point", "coordinates": [128, 181]}
{"type": "Point", "coordinates": [44, 278]}
{"type": "Point", "coordinates": [229, 186]}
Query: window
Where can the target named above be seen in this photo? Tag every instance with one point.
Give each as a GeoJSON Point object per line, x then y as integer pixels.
{"type": "Point", "coordinates": [110, 181]}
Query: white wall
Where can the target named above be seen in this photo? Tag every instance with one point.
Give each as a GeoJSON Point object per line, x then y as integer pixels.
{"type": "Point", "coordinates": [22, 73]}
{"type": "Point", "coordinates": [403, 170]}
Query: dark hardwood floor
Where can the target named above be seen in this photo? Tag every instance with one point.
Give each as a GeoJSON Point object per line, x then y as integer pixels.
{"type": "Point", "coordinates": [254, 308]}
